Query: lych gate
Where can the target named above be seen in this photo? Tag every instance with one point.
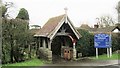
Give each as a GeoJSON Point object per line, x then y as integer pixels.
{"type": "Point", "coordinates": [58, 37]}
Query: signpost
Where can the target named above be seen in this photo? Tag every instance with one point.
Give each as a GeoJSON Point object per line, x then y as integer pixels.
{"type": "Point", "coordinates": [103, 41]}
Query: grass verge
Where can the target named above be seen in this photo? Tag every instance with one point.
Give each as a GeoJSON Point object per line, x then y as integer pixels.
{"type": "Point", "coordinates": [104, 57]}
{"type": "Point", "coordinates": [32, 62]}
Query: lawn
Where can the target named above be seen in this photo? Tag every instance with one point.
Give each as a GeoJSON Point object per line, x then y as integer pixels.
{"type": "Point", "coordinates": [104, 57]}
{"type": "Point", "coordinates": [32, 62]}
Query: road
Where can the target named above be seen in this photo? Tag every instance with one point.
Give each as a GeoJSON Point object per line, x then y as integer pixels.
{"type": "Point", "coordinates": [83, 64]}
{"type": "Point", "coordinates": [108, 66]}
{"type": "Point", "coordinates": [79, 64]}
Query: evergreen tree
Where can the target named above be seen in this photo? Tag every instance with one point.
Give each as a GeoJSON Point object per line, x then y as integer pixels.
{"type": "Point", "coordinates": [23, 14]}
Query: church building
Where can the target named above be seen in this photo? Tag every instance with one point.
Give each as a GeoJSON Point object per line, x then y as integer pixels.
{"type": "Point", "coordinates": [57, 37]}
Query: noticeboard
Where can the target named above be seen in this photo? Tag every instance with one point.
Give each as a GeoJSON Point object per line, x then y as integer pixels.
{"type": "Point", "coordinates": [102, 41]}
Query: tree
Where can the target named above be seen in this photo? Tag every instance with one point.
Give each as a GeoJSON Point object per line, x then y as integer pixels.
{"type": "Point", "coordinates": [5, 7]}
{"type": "Point", "coordinates": [16, 37]}
{"type": "Point", "coordinates": [118, 10]}
{"type": "Point", "coordinates": [4, 10]}
{"type": "Point", "coordinates": [85, 44]}
{"type": "Point", "coordinates": [6, 48]}
{"type": "Point", "coordinates": [105, 21]}
{"type": "Point", "coordinates": [23, 14]}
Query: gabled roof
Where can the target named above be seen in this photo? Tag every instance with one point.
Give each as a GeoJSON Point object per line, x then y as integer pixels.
{"type": "Point", "coordinates": [104, 29]}
{"type": "Point", "coordinates": [49, 26]}
{"type": "Point", "coordinates": [53, 25]}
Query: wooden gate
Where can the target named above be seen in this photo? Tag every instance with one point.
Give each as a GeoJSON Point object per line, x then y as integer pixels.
{"type": "Point", "coordinates": [68, 53]}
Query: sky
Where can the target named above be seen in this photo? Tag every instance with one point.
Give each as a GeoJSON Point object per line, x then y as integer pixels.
{"type": "Point", "coordinates": [79, 11]}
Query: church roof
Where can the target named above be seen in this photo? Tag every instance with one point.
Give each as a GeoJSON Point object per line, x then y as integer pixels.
{"type": "Point", "coordinates": [52, 25]}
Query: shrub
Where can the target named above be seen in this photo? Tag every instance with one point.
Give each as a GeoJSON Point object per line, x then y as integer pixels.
{"type": "Point", "coordinates": [85, 44]}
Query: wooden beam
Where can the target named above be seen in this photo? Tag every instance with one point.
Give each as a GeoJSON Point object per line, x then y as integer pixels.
{"type": "Point", "coordinates": [44, 43]}
{"type": "Point", "coordinates": [49, 44]}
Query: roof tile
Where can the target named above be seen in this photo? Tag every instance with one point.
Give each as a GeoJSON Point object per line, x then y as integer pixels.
{"type": "Point", "coordinates": [49, 26]}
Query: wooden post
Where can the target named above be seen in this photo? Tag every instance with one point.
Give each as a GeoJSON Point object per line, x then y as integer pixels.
{"type": "Point", "coordinates": [49, 44]}
{"type": "Point", "coordinates": [39, 43]}
{"type": "Point", "coordinates": [44, 43]}
{"type": "Point", "coordinates": [62, 52]}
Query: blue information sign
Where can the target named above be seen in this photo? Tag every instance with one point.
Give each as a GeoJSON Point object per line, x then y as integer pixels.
{"type": "Point", "coordinates": [102, 41]}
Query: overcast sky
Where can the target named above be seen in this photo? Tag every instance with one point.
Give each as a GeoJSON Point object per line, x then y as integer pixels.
{"type": "Point", "coordinates": [79, 11]}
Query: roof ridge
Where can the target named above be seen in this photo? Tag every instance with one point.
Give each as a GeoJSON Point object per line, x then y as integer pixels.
{"type": "Point", "coordinates": [57, 16]}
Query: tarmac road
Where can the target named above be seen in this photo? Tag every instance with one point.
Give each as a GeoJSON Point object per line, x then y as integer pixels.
{"type": "Point", "coordinates": [109, 66]}
{"type": "Point", "coordinates": [84, 64]}
{"type": "Point", "coordinates": [79, 64]}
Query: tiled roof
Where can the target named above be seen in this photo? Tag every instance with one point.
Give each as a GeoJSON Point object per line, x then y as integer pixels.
{"type": "Point", "coordinates": [49, 26]}
{"type": "Point", "coordinates": [104, 29]}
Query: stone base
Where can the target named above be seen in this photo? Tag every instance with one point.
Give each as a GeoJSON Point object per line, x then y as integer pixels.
{"type": "Point", "coordinates": [74, 54]}
{"type": "Point", "coordinates": [45, 53]}
{"type": "Point", "coordinates": [49, 55]}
